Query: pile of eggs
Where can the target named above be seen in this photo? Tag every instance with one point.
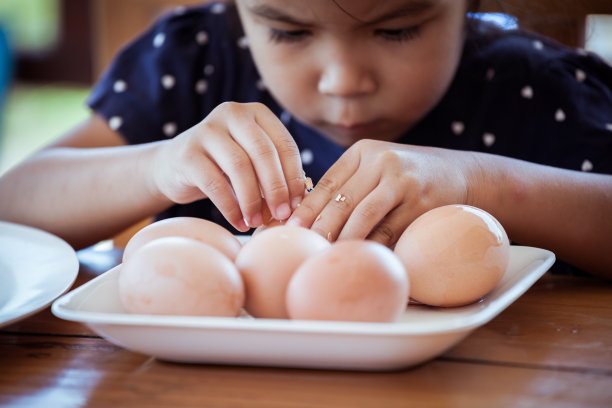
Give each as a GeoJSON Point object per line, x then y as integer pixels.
{"type": "Point", "coordinates": [449, 256]}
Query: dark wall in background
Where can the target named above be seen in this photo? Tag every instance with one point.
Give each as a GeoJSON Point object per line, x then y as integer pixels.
{"type": "Point", "coordinates": [71, 61]}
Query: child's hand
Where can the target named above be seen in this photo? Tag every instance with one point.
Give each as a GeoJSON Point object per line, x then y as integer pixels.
{"type": "Point", "coordinates": [376, 189]}
{"type": "Point", "coordinates": [238, 153]}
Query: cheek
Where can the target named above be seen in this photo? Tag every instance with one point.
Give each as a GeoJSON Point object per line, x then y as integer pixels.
{"type": "Point", "coordinates": [426, 73]}
{"type": "Point", "coordinates": [293, 85]}
{"type": "Point", "coordinates": [287, 77]}
{"type": "Point", "coordinates": [424, 83]}
{"type": "Point", "coordinates": [288, 83]}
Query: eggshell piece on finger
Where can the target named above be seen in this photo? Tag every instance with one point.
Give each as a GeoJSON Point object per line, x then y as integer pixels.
{"type": "Point", "coordinates": [454, 255]}
{"type": "Point", "coordinates": [353, 280]}
{"type": "Point", "coordinates": [189, 227]}
{"type": "Point", "coordinates": [180, 276]}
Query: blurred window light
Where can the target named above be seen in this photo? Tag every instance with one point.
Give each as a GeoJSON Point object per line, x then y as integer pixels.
{"type": "Point", "coordinates": [598, 36]}
{"type": "Point", "coordinates": [502, 20]}
{"type": "Point", "coordinates": [31, 25]}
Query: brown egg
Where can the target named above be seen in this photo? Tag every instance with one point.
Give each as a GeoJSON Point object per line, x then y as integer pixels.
{"type": "Point", "coordinates": [188, 227]}
{"type": "Point", "coordinates": [271, 224]}
{"type": "Point", "coordinates": [268, 220]}
{"type": "Point", "coordinates": [180, 276]}
{"type": "Point", "coordinates": [267, 262]}
{"type": "Point", "coordinates": [453, 255]}
{"type": "Point", "coordinates": [352, 281]}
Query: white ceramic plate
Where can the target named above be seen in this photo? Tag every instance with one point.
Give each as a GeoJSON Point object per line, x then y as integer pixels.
{"type": "Point", "coordinates": [421, 333]}
{"type": "Point", "coordinates": [35, 268]}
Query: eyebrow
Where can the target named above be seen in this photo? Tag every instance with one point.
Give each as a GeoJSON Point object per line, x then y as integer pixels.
{"type": "Point", "coordinates": [271, 13]}
{"type": "Point", "coordinates": [410, 8]}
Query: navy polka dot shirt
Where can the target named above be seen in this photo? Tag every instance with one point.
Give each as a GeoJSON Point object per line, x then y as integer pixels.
{"type": "Point", "coordinates": [514, 94]}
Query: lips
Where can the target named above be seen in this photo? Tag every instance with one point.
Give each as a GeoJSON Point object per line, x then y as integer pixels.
{"type": "Point", "coordinates": [354, 130]}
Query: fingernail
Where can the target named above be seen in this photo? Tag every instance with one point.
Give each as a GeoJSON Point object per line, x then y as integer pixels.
{"type": "Point", "coordinates": [246, 222]}
{"type": "Point", "coordinates": [242, 226]}
{"type": "Point", "coordinates": [257, 220]}
{"type": "Point", "coordinates": [283, 211]}
{"type": "Point", "coordinates": [295, 203]}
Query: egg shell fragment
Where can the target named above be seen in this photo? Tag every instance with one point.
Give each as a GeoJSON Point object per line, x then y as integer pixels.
{"type": "Point", "coordinates": [454, 255]}
{"type": "Point", "coordinates": [180, 276]}
{"type": "Point", "coordinates": [268, 260]}
{"type": "Point", "coordinates": [189, 227]}
{"type": "Point", "coordinates": [353, 280]}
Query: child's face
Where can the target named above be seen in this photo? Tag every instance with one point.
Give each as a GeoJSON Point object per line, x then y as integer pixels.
{"type": "Point", "coordinates": [356, 69]}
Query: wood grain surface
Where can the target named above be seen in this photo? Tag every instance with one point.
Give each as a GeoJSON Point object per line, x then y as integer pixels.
{"type": "Point", "coordinates": [552, 347]}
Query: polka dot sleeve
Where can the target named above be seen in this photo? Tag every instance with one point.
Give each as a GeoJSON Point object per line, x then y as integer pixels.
{"type": "Point", "coordinates": [174, 74]}
{"type": "Point", "coordinates": [520, 95]}
{"type": "Point", "coordinates": [576, 114]}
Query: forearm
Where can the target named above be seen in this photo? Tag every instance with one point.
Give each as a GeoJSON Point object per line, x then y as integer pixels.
{"type": "Point", "coordinates": [82, 195]}
{"type": "Point", "coordinates": [567, 212]}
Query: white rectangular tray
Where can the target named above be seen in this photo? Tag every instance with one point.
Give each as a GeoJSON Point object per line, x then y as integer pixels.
{"type": "Point", "coordinates": [419, 335]}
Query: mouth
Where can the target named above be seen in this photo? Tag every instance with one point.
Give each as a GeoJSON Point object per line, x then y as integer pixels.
{"type": "Point", "coordinates": [354, 130]}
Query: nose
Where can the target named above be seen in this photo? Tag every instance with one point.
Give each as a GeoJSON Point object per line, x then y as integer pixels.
{"type": "Point", "coordinates": [344, 76]}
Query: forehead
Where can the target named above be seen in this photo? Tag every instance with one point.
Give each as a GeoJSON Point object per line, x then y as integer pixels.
{"type": "Point", "coordinates": [340, 11]}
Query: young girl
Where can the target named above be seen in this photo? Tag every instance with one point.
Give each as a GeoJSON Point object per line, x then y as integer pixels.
{"type": "Point", "coordinates": [392, 108]}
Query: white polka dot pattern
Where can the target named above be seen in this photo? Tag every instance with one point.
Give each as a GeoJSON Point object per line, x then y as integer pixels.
{"type": "Point", "coordinates": [201, 86]}
{"type": "Point", "coordinates": [243, 43]}
{"type": "Point", "coordinates": [119, 86]}
{"type": "Point", "coordinates": [209, 69]}
{"type": "Point", "coordinates": [457, 127]}
{"type": "Point", "coordinates": [159, 40]}
{"type": "Point", "coordinates": [285, 117]}
{"type": "Point", "coordinates": [218, 8]}
{"type": "Point", "coordinates": [115, 122]}
{"type": "Point", "coordinates": [560, 115]}
{"type": "Point", "coordinates": [168, 81]}
{"type": "Point", "coordinates": [169, 129]}
{"type": "Point", "coordinates": [307, 157]}
{"type": "Point", "coordinates": [488, 139]}
{"type": "Point", "coordinates": [538, 45]}
{"type": "Point", "coordinates": [527, 92]}
{"type": "Point", "coordinates": [202, 38]}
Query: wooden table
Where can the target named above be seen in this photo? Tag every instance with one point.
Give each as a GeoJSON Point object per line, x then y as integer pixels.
{"type": "Point", "coordinates": [552, 347]}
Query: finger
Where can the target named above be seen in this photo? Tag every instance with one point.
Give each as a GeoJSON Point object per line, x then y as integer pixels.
{"type": "Point", "coordinates": [326, 189]}
{"type": "Point", "coordinates": [367, 215]}
{"type": "Point", "coordinates": [288, 153]}
{"type": "Point", "coordinates": [332, 219]}
{"type": "Point", "coordinates": [266, 162]}
{"type": "Point", "coordinates": [389, 230]}
{"type": "Point", "coordinates": [234, 162]}
{"type": "Point", "coordinates": [211, 180]}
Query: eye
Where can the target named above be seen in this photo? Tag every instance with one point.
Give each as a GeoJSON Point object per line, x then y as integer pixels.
{"type": "Point", "coordinates": [401, 34]}
{"type": "Point", "coordinates": [287, 36]}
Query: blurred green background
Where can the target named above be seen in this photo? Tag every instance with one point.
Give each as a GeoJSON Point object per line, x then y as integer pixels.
{"type": "Point", "coordinates": [34, 114]}
{"type": "Point", "coordinates": [32, 24]}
